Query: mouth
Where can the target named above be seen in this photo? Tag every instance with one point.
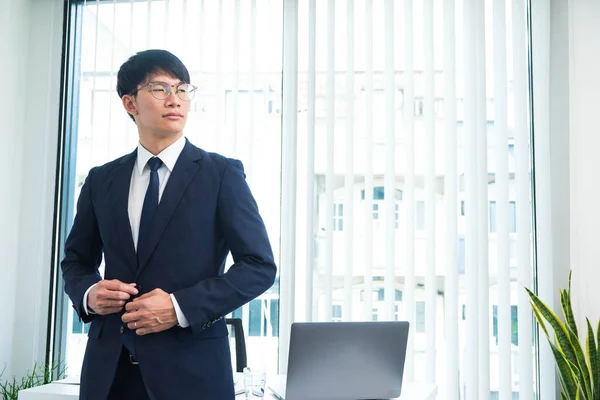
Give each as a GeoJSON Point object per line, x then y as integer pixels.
{"type": "Point", "coordinates": [172, 116]}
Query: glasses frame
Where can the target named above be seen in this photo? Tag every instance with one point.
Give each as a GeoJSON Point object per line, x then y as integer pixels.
{"type": "Point", "coordinates": [169, 90]}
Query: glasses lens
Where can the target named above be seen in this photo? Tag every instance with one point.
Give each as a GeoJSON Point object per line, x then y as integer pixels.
{"type": "Point", "coordinates": [186, 92]}
{"type": "Point", "coordinates": [160, 90]}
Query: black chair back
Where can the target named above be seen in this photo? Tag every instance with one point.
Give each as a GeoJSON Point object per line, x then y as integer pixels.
{"type": "Point", "coordinates": [237, 331]}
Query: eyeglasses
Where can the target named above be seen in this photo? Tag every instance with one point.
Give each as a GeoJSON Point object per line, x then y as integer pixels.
{"type": "Point", "coordinates": [162, 90]}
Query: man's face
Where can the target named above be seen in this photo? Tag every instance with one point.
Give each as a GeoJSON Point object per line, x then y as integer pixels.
{"type": "Point", "coordinates": [161, 118]}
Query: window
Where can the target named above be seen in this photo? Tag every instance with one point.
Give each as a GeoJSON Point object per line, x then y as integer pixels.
{"type": "Point", "coordinates": [237, 313]}
{"type": "Point", "coordinates": [255, 318]}
{"type": "Point", "coordinates": [420, 316]}
{"type": "Point", "coordinates": [378, 294]}
{"type": "Point", "coordinates": [264, 317]}
{"type": "Point", "coordinates": [336, 313]}
{"type": "Point", "coordinates": [274, 315]}
{"type": "Point", "coordinates": [338, 217]}
{"type": "Point", "coordinates": [79, 326]}
{"type": "Point", "coordinates": [375, 211]}
{"type": "Point", "coordinates": [514, 315]}
{"type": "Point", "coordinates": [379, 193]}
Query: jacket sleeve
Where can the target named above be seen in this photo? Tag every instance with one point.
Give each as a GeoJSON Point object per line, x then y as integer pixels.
{"type": "Point", "coordinates": [253, 270]}
{"type": "Point", "coordinates": [83, 251]}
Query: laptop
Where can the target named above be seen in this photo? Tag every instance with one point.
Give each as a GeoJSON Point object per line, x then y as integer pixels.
{"type": "Point", "coordinates": [344, 361]}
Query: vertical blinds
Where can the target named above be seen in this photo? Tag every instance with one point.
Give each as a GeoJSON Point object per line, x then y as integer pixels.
{"type": "Point", "coordinates": [416, 124]}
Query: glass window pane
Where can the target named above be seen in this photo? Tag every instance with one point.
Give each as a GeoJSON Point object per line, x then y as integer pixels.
{"type": "Point", "coordinates": [492, 216]}
{"type": "Point", "coordinates": [255, 318]}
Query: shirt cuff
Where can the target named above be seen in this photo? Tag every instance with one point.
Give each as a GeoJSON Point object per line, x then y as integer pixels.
{"type": "Point", "coordinates": [85, 298]}
{"type": "Point", "coordinates": [181, 319]}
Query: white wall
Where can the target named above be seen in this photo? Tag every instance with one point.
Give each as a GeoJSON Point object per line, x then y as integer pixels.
{"type": "Point", "coordinates": [31, 42]}
{"type": "Point", "coordinates": [12, 42]}
{"type": "Point", "coordinates": [584, 31]}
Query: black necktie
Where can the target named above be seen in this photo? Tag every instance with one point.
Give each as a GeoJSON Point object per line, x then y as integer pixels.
{"type": "Point", "coordinates": [150, 202]}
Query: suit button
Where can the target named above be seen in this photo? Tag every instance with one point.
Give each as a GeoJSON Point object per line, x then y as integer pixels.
{"type": "Point", "coordinates": [121, 329]}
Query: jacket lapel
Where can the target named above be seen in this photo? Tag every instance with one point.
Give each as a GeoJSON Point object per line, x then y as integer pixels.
{"type": "Point", "coordinates": [184, 170]}
{"type": "Point", "coordinates": [119, 199]}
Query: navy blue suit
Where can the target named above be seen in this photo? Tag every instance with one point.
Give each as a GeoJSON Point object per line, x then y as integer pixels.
{"type": "Point", "coordinates": [206, 210]}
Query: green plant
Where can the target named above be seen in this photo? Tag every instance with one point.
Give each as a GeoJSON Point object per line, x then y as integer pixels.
{"type": "Point", "coordinates": [578, 372]}
{"type": "Point", "coordinates": [39, 375]}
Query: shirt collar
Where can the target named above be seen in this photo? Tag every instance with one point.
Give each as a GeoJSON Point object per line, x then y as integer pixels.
{"type": "Point", "coordinates": [168, 156]}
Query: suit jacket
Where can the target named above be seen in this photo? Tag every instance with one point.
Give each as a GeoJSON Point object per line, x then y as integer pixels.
{"type": "Point", "coordinates": [206, 210]}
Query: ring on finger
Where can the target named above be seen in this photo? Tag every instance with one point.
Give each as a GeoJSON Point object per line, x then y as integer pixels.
{"type": "Point", "coordinates": [135, 324]}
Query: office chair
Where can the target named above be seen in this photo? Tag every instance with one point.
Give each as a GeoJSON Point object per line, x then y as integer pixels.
{"type": "Point", "coordinates": [240, 342]}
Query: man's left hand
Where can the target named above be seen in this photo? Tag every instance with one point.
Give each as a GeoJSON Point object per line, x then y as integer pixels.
{"type": "Point", "coordinates": [150, 313]}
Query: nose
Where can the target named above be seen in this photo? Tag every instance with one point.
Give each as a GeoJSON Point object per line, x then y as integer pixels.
{"type": "Point", "coordinates": [173, 99]}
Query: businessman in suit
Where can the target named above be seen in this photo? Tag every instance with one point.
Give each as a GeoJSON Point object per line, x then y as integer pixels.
{"type": "Point", "coordinates": [164, 218]}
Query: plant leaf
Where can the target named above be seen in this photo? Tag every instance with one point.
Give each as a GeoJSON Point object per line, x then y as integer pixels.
{"type": "Point", "coordinates": [565, 368]}
{"type": "Point", "coordinates": [565, 347]}
{"type": "Point", "coordinates": [581, 364]}
{"type": "Point", "coordinates": [592, 354]}
{"type": "Point", "coordinates": [566, 375]}
{"type": "Point", "coordinates": [557, 325]}
{"type": "Point", "coordinates": [565, 303]}
{"type": "Point", "coordinates": [567, 309]}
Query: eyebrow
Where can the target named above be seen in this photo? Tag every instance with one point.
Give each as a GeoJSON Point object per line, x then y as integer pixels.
{"type": "Point", "coordinates": [175, 84]}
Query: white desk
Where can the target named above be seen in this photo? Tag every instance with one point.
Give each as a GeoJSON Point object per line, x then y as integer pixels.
{"type": "Point", "coordinates": [68, 389]}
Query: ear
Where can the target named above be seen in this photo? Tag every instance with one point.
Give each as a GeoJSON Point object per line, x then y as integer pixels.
{"type": "Point", "coordinates": [130, 104]}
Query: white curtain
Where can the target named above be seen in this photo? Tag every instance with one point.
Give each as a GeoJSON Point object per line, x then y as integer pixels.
{"type": "Point", "coordinates": [412, 166]}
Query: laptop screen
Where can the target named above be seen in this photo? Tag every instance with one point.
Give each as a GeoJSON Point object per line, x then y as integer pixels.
{"type": "Point", "coordinates": [346, 360]}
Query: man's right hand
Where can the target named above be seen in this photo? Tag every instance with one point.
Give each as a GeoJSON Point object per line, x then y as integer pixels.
{"type": "Point", "coordinates": [108, 297]}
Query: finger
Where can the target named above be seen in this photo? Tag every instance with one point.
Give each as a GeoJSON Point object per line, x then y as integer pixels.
{"type": "Point", "coordinates": [131, 317]}
{"type": "Point", "coordinates": [135, 325]}
{"type": "Point", "coordinates": [134, 305]}
{"type": "Point", "coordinates": [101, 304]}
{"type": "Point", "coordinates": [117, 285]}
{"type": "Point", "coordinates": [142, 323]}
{"type": "Point", "coordinates": [104, 302]}
{"type": "Point", "coordinates": [111, 304]}
{"type": "Point", "coordinates": [155, 329]}
{"type": "Point", "coordinates": [146, 330]}
{"type": "Point", "coordinates": [113, 295]}
{"type": "Point", "coordinates": [109, 310]}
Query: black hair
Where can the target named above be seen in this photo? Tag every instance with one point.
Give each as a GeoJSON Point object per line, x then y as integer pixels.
{"type": "Point", "coordinates": [148, 62]}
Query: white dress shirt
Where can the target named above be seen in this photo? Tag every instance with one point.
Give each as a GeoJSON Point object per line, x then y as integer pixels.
{"type": "Point", "coordinates": [140, 177]}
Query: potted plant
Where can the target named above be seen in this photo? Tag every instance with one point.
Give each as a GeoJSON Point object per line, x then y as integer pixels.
{"type": "Point", "coordinates": [39, 375]}
{"type": "Point", "coordinates": [578, 370]}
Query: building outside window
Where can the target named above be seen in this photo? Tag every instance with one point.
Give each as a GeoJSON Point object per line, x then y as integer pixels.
{"type": "Point", "coordinates": [338, 217]}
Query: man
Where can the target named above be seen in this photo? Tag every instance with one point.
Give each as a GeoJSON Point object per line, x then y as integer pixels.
{"type": "Point", "coordinates": [164, 217]}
